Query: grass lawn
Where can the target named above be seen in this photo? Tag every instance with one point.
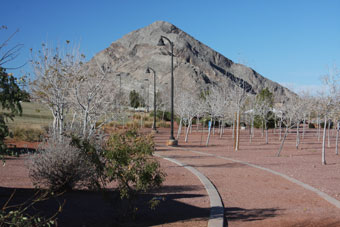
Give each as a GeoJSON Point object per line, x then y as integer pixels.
{"type": "Point", "coordinates": [34, 115]}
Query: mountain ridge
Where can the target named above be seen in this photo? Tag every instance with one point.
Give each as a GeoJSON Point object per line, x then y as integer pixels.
{"type": "Point", "coordinates": [194, 62]}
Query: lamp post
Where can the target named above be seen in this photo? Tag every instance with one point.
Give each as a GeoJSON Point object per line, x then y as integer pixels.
{"type": "Point", "coordinates": [154, 97]}
{"type": "Point", "coordinates": [147, 105]}
{"type": "Point", "coordinates": [172, 141]}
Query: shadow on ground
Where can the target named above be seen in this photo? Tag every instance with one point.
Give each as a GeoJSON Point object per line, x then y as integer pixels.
{"type": "Point", "coordinates": [233, 214]}
{"type": "Point", "coordinates": [87, 208]}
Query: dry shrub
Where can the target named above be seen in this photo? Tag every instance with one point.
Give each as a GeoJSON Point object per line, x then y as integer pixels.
{"type": "Point", "coordinates": [59, 166]}
{"type": "Point", "coordinates": [163, 124]}
{"type": "Point", "coordinates": [133, 124]}
{"type": "Point", "coordinates": [148, 124]}
{"type": "Point", "coordinates": [29, 134]}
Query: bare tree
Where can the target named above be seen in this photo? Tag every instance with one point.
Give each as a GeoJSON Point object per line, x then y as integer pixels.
{"type": "Point", "coordinates": [329, 100]}
{"type": "Point", "coordinates": [238, 98]}
{"type": "Point", "coordinates": [92, 98]}
{"type": "Point", "coordinates": [55, 70]}
{"type": "Point", "coordinates": [8, 54]}
{"type": "Point", "coordinates": [290, 112]}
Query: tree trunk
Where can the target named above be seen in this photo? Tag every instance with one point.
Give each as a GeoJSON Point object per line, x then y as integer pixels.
{"type": "Point", "coordinates": [221, 126]}
{"type": "Point", "coordinates": [275, 125]}
{"type": "Point", "coordinates": [297, 134]}
{"type": "Point", "coordinates": [323, 160]}
{"type": "Point", "coordinates": [237, 141]}
{"type": "Point", "coordinates": [85, 121]}
{"type": "Point", "coordinates": [319, 128]}
{"type": "Point", "coordinates": [252, 127]}
{"type": "Point", "coordinates": [213, 126]}
{"type": "Point", "coordinates": [303, 129]}
{"type": "Point", "coordinates": [208, 138]}
{"type": "Point", "coordinates": [202, 133]}
{"type": "Point", "coordinates": [329, 129]}
{"type": "Point", "coordinates": [280, 137]}
{"type": "Point", "coordinates": [283, 141]}
{"type": "Point", "coordinates": [188, 128]}
{"type": "Point", "coordinates": [233, 133]}
{"type": "Point", "coordinates": [179, 128]}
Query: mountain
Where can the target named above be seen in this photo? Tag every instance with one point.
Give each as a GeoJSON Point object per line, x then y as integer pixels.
{"type": "Point", "coordinates": [195, 64]}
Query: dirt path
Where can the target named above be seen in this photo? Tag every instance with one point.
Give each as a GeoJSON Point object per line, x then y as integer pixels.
{"type": "Point", "coordinates": [253, 197]}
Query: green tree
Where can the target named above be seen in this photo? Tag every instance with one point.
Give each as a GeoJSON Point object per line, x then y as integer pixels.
{"type": "Point", "coordinates": [264, 107]}
{"type": "Point", "coordinates": [135, 99]}
{"type": "Point", "coordinates": [10, 97]}
{"type": "Point", "coordinates": [265, 96]}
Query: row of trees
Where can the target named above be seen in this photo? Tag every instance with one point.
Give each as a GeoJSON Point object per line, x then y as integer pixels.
{"type": "Point", "coordinates": [70, 90]}
{"type": "Point", "coordinates": [224, 104]}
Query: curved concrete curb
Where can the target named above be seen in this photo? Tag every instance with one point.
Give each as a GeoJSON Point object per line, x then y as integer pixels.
{"type": "Point", "coordinates": [216, 206]}
{"type": "Point", "coordinates": [323, 195]}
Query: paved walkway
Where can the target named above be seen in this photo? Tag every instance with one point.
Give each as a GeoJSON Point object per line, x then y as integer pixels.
{"type": "Point", "coordinates": [216, 218]}
{"type": "Point", "coordinates": [254, 196]}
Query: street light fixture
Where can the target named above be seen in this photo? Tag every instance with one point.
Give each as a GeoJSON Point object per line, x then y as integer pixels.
{"type": "Point", "coordinates": [172, 141]}
{"type": "Point", "coordinates": [154, 97]}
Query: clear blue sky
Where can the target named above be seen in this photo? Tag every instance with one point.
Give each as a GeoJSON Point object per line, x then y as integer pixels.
{"type": "Point", "coordinates": [290, 42]}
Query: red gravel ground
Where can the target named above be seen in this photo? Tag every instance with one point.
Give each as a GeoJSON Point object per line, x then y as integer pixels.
{"type": "Point", "coordinates": [254, 197]}
{"type": "Point", "coordinates": [184, 201]}
{"type": "Point", "coordinates": [251, 197]}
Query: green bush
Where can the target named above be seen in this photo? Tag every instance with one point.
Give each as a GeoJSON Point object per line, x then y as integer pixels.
{"type": "Point", "coordinates": [159, 115]}
{"type": "Point", "coordinates": [311, 125]}
{"type": "Point", "coordinates": [322, 124]}
{"type": "Point", "coordinates": [129, 163]}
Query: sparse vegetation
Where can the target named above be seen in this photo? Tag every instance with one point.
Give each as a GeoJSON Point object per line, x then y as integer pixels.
{"type": "Point", "coordinates": [59, 166]}
{"type": "Point", "coordinates": [29, 134]}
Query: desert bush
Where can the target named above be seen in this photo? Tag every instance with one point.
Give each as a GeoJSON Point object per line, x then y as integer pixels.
{"type": "Point", "coordinates": [163, 124]}
{"type": "Point", "coordinates": [29, 134]}
{"type": "Point", "coordinates": [136, 116]}
{"type": "Point", "coordinates": [132, 124]}
{"type": "Point", "coordinates": [129, 163]}
{"type": "Point", "coordinates": [59, 166]}
{"type": "Point", "coordinates": [311, 125]}
{"type": "Point", "coordinates": [148, 124]}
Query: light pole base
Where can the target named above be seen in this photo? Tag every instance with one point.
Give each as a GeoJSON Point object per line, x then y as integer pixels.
{"type": "Point", "coordinates": [172, 143]}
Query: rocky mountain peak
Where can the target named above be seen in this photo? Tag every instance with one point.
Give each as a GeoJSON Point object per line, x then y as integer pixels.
{"type": "Point", "coordinates": [195, 64]}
